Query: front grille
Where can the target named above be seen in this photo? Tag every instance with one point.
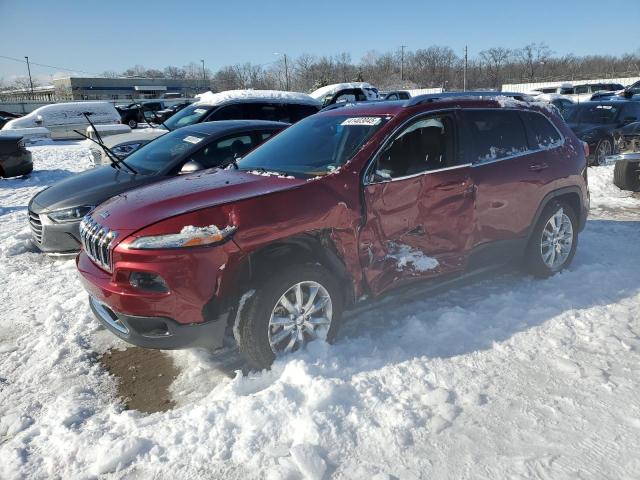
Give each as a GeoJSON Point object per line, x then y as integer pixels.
{"type": "Point", "coordinates": [96, 242]}
{"type": "Point", "coordinates": [36, 226]}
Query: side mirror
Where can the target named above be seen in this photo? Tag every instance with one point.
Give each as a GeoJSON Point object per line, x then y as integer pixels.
{"type": "Point", "coordinates": [190, 167]}
{"type": "Point", "coordinates": [380, 176]}
{"type": "Point", "coordinates": [39, 120]}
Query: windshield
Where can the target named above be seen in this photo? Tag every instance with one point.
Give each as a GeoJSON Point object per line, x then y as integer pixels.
{"type": "Point", "coordinates": [315, 146]}
{"type": "Point", "coordinates": [603, 114]}
{"type": "Point", "coordinates": [187, 116]}
{"type": "Point", "coordinates": [163, 151]}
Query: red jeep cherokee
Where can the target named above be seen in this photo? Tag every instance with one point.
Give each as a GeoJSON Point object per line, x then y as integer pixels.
{"type": "Point", "coordinates": [345, 205]}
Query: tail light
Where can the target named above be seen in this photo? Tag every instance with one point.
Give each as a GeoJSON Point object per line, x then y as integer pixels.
{"type": "Point", "coordinates": [585, 146]}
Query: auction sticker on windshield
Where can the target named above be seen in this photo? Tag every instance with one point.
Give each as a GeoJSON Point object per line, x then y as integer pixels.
{"type": "Point", "coordinates": [200, 111]}
{"type": "Point", "coordinates": [364, 121]}
{"type": "Point", "coordinates": [192, 139]}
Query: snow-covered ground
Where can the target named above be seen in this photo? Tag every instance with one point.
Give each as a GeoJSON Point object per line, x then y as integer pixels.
{"type": "Point", "coordinates": [510, 377]}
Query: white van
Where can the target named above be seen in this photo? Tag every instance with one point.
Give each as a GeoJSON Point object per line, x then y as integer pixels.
{"type": "Point", "coordinates": [61, 119]}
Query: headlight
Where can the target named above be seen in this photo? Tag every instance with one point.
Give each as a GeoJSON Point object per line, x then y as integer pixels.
{"type": "Point", "coordinates": [69, 214]}
{"type": "Point", "coordinates": [189, 236]}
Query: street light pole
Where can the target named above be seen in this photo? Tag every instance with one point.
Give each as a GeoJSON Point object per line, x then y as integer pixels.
{"type": "Point", "coordinates": [29, 70]}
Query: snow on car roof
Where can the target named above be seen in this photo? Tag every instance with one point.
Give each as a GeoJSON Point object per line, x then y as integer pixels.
{"type": "Point", "coordinates": [67, 113]}
{"type": "Point", "coordinates": [209, 98]}
{"type": "Point", "coordinates": [323, 91]}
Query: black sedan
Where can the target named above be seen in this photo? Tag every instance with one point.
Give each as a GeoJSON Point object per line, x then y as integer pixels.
{"type": "Point", "coordinates": [15, 159]}
{"type": "Point", "coordinates": [55, 213]}
{"type": "Point", "coordinates": [599, 124]}
{"type": "Point", "coordinates": [135, 113]}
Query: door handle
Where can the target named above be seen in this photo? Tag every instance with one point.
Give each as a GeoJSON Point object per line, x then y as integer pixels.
{"type": "Point", "coordinates": [470, 191]}
{"type": "Point", "coordinates": [538, 167]}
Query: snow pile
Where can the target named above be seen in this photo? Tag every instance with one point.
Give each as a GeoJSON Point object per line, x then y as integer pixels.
{"type": "Point", "coordinates": [606, 198]}
{"type": "Point", "coordinates": [66, 114]}
{"type": "Point", "coordinates": [406, 256]}
{"type": "Point", "coordinates": [509, 377]}
{"type": "Point", "coordinates": [209, 98]}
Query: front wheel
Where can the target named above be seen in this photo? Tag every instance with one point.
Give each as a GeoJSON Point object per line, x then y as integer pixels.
{"type": "Point", "coordinates": [554, 240]}
{"type": "Point", "coordinates": [603, 150]}
{"type": "Point", "coordinates": [290, 309]}
{"type": "Point", "coordinates": [132, 124]}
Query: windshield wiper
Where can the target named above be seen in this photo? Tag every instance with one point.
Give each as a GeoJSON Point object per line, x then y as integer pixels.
{"type": "Point", "coordinates": [115, 161]}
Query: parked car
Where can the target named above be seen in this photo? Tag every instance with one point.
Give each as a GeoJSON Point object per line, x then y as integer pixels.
{"type": "Point", "coordinates": [134, 113]}
{"type": "Point", "coordinates": [599, 123]}
{"type": "Point", "coordinates": [348, 204]}
{"type": "Point", "coordinates": [61, 119]}
{"type": "Point", "coordinates": [288, 107]}
{"type": "Point", "coordinates": [626, 173]}
{"type": "Point", "coordinates": [562, 89]}
{"type": "Point", "coordinates": [561, 102]}
{"type": "Point", "coordinates": [585, 92]}
{"type": "Point", "coordinates": [628, 93]}
{"type": "Point", "coordinates": [162, 115]}
{"type": "Point", "coordinates": [397, 95]}
{"type": "Point", "coordinates": [55, 213]}
{"type": "Point", "coordinates": [15, 159]}
{"type": "Point", "coordinates": [345, 92]}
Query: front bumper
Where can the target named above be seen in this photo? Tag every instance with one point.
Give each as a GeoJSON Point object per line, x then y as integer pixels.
{"type": "Point", "coordinates": [159, 332]}
{"type": "Point", "coordinates": [54, 238]}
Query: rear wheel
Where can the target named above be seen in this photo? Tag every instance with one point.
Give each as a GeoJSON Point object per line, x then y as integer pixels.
{"type": "Point", "coordinates": [626, 175]}
{"type": "Point", "coordinates": [132, 123]}
{"type": "Point", "coordinates": [290, 309]}
{"type": "Point", "coordinates": [602, 151]}
{"type": "Point", "coordinates": [554, 240]}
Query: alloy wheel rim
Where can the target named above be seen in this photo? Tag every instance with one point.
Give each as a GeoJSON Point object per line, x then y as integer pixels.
{"type": "Point", "coordinates": [557, 240]}
{"type": "Point", "coordinates": [604, 150]}
{"type": "Point", "coordinates": [302, 314]}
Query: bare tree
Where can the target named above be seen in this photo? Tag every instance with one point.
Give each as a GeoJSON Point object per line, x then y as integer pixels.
{"type": "Point", "coordinates": [494, 60]}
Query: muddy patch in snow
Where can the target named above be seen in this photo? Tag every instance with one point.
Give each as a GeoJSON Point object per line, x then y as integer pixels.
{"type": "Point", "coordinates": [143, 378]}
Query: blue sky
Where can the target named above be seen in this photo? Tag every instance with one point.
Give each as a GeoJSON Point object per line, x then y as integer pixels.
{"type": "Point", "coordinates": [95, 36]}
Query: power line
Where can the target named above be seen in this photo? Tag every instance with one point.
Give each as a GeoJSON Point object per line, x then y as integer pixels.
{"type": "Point", "coordinates": [49, 66]}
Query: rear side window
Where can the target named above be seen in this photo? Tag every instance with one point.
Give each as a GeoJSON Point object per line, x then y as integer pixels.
{"type": "Point", "coordinates": [540, 132]}
{"type": "Point", "coordinates": [495, 134]}
{"type": "Point", "coordinates": [298, 112]}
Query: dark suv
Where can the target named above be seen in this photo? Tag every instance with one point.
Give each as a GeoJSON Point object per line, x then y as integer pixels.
{"type": "Point", "coordinates": [346, 205]}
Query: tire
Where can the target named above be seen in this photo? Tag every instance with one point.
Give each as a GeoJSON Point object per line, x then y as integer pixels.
{"type": "Point", "coordinates": [132, 124]}
{"type": "Point", "coordinates": [253, 331]}
{"type": "Point", "coordinates": [537, 256]}
{"type": "Point", "coordinates": [626, 175]}
{"type": "Point", "coordinates": [604, 148]}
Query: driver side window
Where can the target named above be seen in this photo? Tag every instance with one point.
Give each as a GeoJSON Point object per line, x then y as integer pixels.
{"type": "Point", "coordinates": [425, 145]}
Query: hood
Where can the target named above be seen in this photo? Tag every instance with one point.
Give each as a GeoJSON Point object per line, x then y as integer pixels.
{"type": "Point", "coordinates": [142, 207]}
{"type": "Point", "coordinates": [88, 188]}
{"type": "Point", "coordinates": [590, 129]}
{"type": "Point", "coordinates": [142, 134]}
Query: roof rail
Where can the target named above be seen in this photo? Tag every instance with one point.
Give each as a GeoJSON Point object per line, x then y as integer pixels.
{"type": "Point", "coordinates": [432, 97]}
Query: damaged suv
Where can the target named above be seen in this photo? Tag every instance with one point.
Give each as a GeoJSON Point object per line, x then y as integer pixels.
{"type": "Point", "coordinates": [343, 207]}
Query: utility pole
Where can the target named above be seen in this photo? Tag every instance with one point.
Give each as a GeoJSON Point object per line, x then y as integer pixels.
{"type": "Point", "coordinates": [204, 77]}
{"type": "Point", "coordinates": [286, 72]}
{"type": "Point", "coordinates": [286, 69]}
{"type": "Point", "coordinates": [402, 47]}
{"type": "Point", "coordinates": [464, 72]}
{"type": "Point", "coordinates": [30, 81]}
